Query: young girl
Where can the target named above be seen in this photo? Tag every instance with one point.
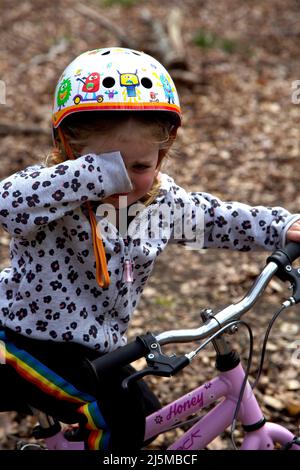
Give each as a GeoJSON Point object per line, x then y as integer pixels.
{"type": "Point", "coordinates": [76, 275]}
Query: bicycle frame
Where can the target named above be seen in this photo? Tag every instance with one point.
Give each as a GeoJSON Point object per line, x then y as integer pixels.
{"type": "Point", "coordinates": [227, 386]}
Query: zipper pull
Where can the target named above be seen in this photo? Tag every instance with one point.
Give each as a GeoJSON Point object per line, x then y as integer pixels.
{"type": "Point", "coordinates": [128, 270]}
{"type": "Point", "coordinates": [128, 275]}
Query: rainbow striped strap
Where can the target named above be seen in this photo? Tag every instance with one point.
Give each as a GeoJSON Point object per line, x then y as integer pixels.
{"type": "Point", "coordinates": [50, 383]}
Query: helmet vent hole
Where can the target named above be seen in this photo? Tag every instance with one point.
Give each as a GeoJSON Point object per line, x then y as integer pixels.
{"type": "Point", "coordinates": [108, 82]}
{"type": "Point", "coordinates": [105, 53]}
{"type": "Point", "coordinates": [146, 82]}
{"type": "Point", "coordinates": [136, 53]}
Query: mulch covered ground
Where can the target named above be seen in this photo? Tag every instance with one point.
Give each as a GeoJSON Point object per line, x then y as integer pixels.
{"type": "Point", "coordinates": [239, 141]}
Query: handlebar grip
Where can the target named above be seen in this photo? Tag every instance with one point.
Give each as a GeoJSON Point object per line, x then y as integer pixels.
{"type": "Point", "coordinates": [292, 250]}
{"type": "Point", "coordinates": [120, 357]}
{"type": "Point", "coordinates": [284, 257]}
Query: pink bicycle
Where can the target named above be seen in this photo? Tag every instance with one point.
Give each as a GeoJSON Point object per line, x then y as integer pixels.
{"type": "Point", "coordinates": [231, 384]}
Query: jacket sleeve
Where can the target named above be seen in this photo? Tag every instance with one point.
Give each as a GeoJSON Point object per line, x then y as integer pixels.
{"type": "Point", "coordinates": [38, 195]}
{"type": "Point", "coordinates": [205, 221]}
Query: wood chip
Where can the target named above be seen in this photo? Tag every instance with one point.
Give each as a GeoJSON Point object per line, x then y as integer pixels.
{"type": "Point", "coordinates": [293, 384]}
{"type": "Point", "coordinates": [293, 408]}
{"type": "Point", "coordinates": [273, 402]}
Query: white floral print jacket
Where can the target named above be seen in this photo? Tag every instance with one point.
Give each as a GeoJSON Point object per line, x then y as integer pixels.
{"type": "Point", "coordinates": [50, 290]}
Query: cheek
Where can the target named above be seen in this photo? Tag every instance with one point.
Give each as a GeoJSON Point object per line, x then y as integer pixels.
{"type": "Point", "coordinates": [143, 182]}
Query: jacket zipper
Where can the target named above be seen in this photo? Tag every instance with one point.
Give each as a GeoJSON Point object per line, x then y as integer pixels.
{"type": "Point", "coordinates": [128, 264]}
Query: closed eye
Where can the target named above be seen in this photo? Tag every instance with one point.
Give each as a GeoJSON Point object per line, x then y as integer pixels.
{"type": "Point", "coordinates": [140, 167]}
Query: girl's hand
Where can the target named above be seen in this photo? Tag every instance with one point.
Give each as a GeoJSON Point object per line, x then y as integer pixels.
{"type": "Point", "coordinates": [293, 233]}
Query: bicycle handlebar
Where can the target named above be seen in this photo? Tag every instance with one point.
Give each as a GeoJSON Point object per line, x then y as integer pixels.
{"type": "Point", "coordinates": [227, 315]}
{"type": "Point", "coordinates": [120, 357]}
{"type": "Point", "coordinates": [292, 250]}
{"type": "Point", "coordinates": [138, 348]}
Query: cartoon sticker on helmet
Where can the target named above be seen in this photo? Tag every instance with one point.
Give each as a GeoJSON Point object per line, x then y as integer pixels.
{"type": "Point", "coordinates": [130, 81]}
{"type": "Point", "coordinates": [64, 92]}
{"type": "Point", "coordinates": [91, 85]}
{"type": "Point", "coordinates": [167, 89]}
{"type": "Point", "coordinates": [153, 97]}
{"type": "Point", "coordinates": [111, 93]}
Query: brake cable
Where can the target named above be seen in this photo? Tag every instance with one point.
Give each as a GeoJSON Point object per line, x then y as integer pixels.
{"type": "Point", "coordinates": [266, 338]}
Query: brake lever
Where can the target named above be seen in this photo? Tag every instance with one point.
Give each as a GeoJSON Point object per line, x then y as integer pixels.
{"type": "Point", "coordinates": [286, 272]}
{"type": "Point", "coordinates": [137, 376]}
{"type": "Point", "coordinates": [161, 365]}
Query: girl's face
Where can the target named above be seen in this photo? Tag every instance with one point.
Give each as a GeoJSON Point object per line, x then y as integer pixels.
{"type": "Point", "coordinates": [141, 160]}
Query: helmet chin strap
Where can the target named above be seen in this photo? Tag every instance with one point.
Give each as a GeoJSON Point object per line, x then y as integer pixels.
{"type": "Point", "coordinates": [102, 275]}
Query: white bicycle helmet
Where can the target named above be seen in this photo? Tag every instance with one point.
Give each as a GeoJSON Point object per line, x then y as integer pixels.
{"type": "Point", "coordinates": [115, 79]}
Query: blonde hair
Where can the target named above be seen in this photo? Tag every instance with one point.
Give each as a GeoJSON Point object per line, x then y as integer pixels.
{"type": "Point", "coordinates": [79, 127]}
